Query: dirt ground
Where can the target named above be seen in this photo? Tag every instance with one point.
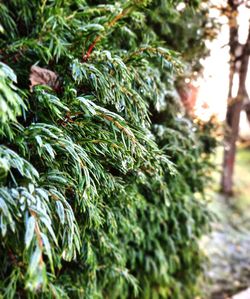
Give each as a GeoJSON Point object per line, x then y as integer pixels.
{"type": "Point", "coordinates": [228, 245]}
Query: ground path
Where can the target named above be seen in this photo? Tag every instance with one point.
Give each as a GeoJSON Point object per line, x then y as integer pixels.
{"type": "Point", "coordinates": [228, 245]}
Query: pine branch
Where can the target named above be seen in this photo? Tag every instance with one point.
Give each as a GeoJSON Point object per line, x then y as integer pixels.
{"type": "Point", "coordinates": [108, 25]}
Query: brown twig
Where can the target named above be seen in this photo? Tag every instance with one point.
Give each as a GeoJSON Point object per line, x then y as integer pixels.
{"type": "Point", "coordinates": [110, 24]}
{"type": "Point", "coordinates": [38, 236]}
{"type": "Point", "coordinates": [69, 116]}
{"type": "Point", "coordinates": [119, 126]}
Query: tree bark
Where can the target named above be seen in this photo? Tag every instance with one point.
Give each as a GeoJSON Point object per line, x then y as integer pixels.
{"type": "Point", "coordinates": [239, 58]}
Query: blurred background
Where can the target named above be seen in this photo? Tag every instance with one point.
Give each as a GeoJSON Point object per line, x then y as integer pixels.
{"type": "Point", "coordinates": [228, 245]}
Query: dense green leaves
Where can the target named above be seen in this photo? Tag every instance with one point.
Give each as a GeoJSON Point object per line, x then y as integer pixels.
{"type": "Point", "coordinates": [11, 103]}
{"type": "Point", "coordinates": [100, 197]}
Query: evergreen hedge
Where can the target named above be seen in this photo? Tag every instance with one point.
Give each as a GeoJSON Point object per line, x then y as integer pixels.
{"type": "Point", "coordinates": [101, 177]}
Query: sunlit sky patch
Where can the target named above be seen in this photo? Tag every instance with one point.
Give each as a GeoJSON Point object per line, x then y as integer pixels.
{"type": "Point", "coordinates": [213, 87]}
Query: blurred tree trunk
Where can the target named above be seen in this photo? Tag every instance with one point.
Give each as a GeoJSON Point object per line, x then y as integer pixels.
{"type": "Point", "coordinates": [239, 58]}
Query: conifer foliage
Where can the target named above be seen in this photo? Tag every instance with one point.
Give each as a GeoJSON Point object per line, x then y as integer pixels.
{"type": "Point", "coordinates": [98, 198]}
